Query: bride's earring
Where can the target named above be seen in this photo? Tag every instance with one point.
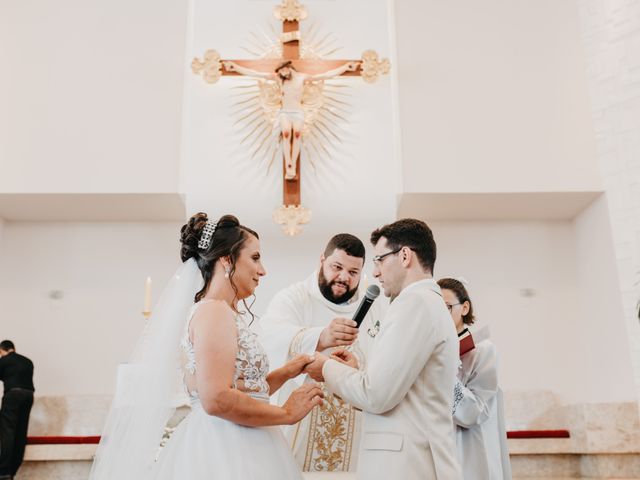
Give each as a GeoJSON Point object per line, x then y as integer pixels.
{"type": "Point", "coordinates": [226, 272]}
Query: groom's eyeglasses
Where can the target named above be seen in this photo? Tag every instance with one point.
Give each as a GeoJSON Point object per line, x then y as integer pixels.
{"type": "Point", "coordinates": [377, 260]}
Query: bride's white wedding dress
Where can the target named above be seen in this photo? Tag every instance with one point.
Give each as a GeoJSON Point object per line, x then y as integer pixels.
{"type": "Point", "coordinates": [204, 447]}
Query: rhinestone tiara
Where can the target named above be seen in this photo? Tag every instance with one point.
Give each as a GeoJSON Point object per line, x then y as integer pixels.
{"type": "Point", "coordinates": [207, 235]}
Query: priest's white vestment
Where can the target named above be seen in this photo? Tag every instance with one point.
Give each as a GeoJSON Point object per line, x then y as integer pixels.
{"type": "Point", "coordinates": [328, 438]}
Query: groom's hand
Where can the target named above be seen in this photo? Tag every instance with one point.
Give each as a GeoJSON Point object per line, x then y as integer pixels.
{"type": "Point", "coordinates": [340, 332]}
{"type": "Point", "coordinates": [314, 369]}
{"type": "Point", "coordinates": [345, 356]}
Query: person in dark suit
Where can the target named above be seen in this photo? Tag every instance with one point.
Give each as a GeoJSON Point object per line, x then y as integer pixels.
{"type": "Point", "coordinates": [16, 372]}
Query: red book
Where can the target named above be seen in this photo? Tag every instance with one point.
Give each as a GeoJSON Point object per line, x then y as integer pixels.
{"type": "Point", "coordinates": [468, 340]}
{"type": "Point", "coordinates": [466, 343]}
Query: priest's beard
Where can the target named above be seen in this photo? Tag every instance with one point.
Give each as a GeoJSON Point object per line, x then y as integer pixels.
{"type": "Point", "coordinates": [325, 289]}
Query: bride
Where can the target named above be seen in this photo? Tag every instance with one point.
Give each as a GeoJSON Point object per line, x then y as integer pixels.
{"type": "Point", "coordinates": [231, 432]}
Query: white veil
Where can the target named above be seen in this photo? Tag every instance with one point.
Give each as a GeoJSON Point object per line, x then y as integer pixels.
{"type": "Point", "coordinates": [140, 411]}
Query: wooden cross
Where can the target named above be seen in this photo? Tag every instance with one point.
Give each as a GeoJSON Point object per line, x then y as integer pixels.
{"type": "Point", "coordinates": [290, 12]}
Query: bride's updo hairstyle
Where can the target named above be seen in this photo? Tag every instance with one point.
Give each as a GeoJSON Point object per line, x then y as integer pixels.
{"type": "Point", "coordinates": [228, 240]}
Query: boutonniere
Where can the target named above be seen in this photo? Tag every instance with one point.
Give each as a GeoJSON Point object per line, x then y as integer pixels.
{"type": "Point", "coordinates": [374, 330]}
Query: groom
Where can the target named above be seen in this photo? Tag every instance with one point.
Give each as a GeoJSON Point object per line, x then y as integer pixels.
{"type": "Point", "coordinates": [406, 387]}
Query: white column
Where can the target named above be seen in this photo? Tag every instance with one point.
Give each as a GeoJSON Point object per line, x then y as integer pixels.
{"type": "Point", "coordinates": [611, 38]}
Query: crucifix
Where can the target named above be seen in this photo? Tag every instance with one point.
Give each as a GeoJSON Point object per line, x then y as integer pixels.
{"type": "Point", "coordinates": [292, 74]}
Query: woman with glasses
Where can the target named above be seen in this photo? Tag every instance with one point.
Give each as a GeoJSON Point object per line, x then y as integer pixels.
{"type": "Point", "coordinates": [477, 408]}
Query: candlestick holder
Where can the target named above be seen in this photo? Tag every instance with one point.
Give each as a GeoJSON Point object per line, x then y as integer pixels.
{"type": "Point", "coordinates": [146, 314]}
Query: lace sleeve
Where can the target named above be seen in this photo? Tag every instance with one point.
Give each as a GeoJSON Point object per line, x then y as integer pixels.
{"type": "Point", "coordinates": [457, 396]}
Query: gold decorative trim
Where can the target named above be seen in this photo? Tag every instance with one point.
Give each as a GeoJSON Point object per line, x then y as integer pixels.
{"type": "Point", "coordinates": [372, 67]}
{"type": "Point", "coordinates": [290, 11]}
{"type": "Point", "coordinates": [296, 343]}
{"type": "Point", "coordinates": [210, 67]}
{"type": "Point", "coordinates": [330, 438]}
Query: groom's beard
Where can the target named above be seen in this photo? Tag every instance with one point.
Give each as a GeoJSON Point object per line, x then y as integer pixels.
{"type": "Point", "coordinates": [327, 292]}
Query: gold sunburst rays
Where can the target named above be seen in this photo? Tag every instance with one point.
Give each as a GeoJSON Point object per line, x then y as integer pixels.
{"type": "Point", "coordinates": [250, 52]}
{"type": "Point", "coordinates": [319, 149]}
{"type": "Point", "coordinates": [312, 47]}
{"type": "Point", "coordinates": [322, 118]}
{"type": "Point", "coordinates": [267, 46]}
{"type": "Point", "coordinates": [333, 86]}
{"type": "Point", "coordinates": [257, 104]}
{"type": "Point", "coordinates": [252, 126]}
{"type": "Point", "coordinates": [319, 127]}
{"type": "Point", "coordinates": [337, 102]}
{"type": "Point", "coordinates": [256, 111]}
{"type": "Point", "coordinates": [245, 101]}
{"type": "Point", "coordinates": [274, 148]}
{"type": "Point", "coordinates": [238, 92]}
{"type": "Point", "coordinates": [244, 86]}
{"type": "Point", "coordinates": [319, 143]}
{"type": "Point", "coordinates": [265, 130]}
{"type": "Point", "coordinates": [324, 50]}
{"type": "Point", "coordinates": [319, 49]}
{"type": "Point", "coordinates": [309, 33]}
{"type": "Point", "coordinates": [262, 146]}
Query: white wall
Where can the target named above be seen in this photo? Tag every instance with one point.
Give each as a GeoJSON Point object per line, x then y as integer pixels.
{"type": "Point", "coordinates": [91, 95]}
{"type": "Point", "coordinates": [493, 97]}
{"type": "Point", "coordinates": [606, 366]}
{"type": "Point", "coordinates": [77, 342]}
{"type": "Point", "coordinates": [548, 340]}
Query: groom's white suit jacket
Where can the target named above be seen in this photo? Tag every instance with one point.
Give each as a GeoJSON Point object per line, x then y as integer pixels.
{"type": "Point", "coordinates": [405, 390]}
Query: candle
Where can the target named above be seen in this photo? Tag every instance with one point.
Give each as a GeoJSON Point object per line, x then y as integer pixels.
{"type": "Point", "coordinates": [147, 295]}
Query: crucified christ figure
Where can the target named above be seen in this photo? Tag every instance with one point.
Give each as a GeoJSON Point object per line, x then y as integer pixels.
{"type": "Point", "coordinates": [291, 114]}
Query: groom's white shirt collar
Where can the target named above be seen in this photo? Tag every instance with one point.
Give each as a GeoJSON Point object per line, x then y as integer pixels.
{"type": "Point", "coordinates": [428, 283]}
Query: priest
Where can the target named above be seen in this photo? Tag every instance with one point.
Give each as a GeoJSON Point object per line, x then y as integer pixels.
{"type": "Point", "coordinates": [315, 315]}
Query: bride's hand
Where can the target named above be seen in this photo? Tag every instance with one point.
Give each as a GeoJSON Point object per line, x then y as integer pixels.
{"type": "Point", "coordinates": [295, 366]}
{"type": "Point", "coordinates": [301, 401]}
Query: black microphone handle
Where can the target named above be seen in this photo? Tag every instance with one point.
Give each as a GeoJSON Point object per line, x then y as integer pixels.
{"type": "Point", "coordinates": [363, 308]}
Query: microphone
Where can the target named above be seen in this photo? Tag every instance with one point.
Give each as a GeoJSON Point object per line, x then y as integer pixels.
{"type": "Point", "coordinates": [371, 294]}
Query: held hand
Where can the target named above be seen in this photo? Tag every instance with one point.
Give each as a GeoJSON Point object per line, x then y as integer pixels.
{"type": "Point", "coordinates": [314, 369]}
{"type": "Point", "coordinates": [228, 66]}
{"type": "Point", "coordinates": [295, 366]}
{"type": "Point", "coordinates": [352, 66]}
{"type": "Point", "coordinates": [340, 332]}
{"type": "Point", "coordinates": [345, 356]}
{"type": "Point", "coordinates": [301, 401]}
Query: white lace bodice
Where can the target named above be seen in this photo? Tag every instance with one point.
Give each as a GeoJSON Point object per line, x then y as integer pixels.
{"type": "Point", "coordinates": [252, 364]}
